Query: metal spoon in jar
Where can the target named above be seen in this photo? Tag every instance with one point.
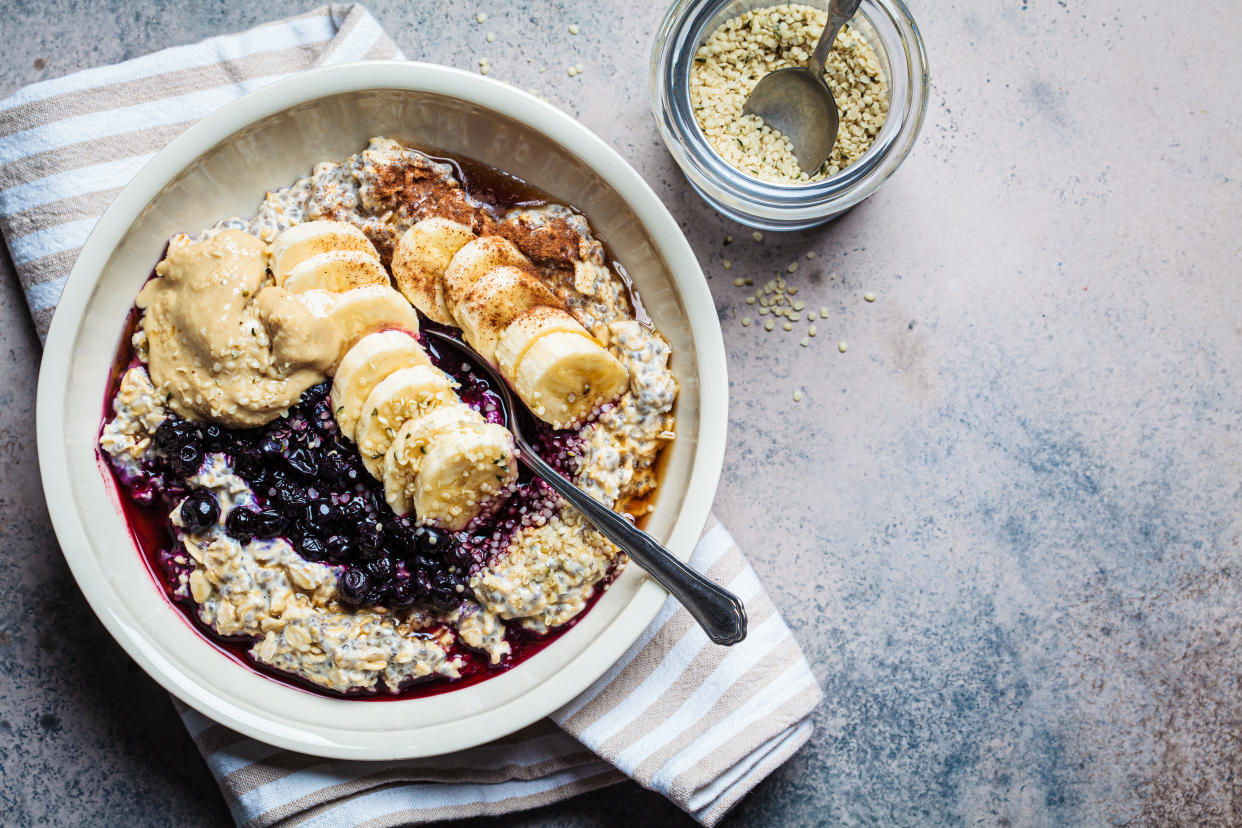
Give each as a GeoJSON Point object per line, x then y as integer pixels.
{"type": "Point", "coordinates": [719, 612]}
{"type": "Point", "coordinates": [799, 103]}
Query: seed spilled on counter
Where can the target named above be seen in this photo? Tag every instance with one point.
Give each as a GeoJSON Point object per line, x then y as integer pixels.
{"type": "Point", "coordinates": [746, 48]}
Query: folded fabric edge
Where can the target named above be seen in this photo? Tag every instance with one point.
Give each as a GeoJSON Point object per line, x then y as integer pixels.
{"type": "Point", "coordinates": [389, 805]}
{"type": "Point", "coordinates": [782, 748]}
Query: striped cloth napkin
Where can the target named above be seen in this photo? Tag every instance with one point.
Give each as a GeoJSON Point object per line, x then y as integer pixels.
{"type": "Point", "coordinates": [699, 723]}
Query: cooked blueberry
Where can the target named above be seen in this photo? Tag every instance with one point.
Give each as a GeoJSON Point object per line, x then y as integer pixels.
{"type": "Point", "coordinates": [246, 461]}
{"type": "Point", "coordinates": [368, 541]}
{"type": "Point", "coordinates": [380, 569]}
{"type": "Point", "coordinates": [402, 594]}
{"type": "Point", "coordinates": [242, 524]}
{"type": "Point", "coordinates": [291, 495]}
{"type": "Point", "coordinates": [318, 514]}
{"type": "Point", "coordinates": [353, 586]}
{"type": "Point", "coordinates": [272, 448]}
{"type": "Point", "coordinates": [215, 437]}
{"type": "Point", "coordinates": [167, 436]}
{"type": "Point", "coordinates": [332, 466]}
{"type": "Point", "coordinates": [270, 524]}
{"type": "Point", "coordinates": [339, 548]}
{"type": "Point", "coordinates": [430, 541]}
{"type": "Point", "coordinates": [187, 459]}
{"type": "Point", "coordinates": [300, 459]}
{"type": "Point", "coordinates": [199, 510]}
{"type": "Point", "coordinates": [312, 548]}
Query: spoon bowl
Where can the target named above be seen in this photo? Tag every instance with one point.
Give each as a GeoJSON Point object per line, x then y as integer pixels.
{"type": "Point", "coordinates": [719, 612]}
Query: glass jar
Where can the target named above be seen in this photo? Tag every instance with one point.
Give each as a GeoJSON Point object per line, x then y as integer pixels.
{"type": "Point", "coordinates": [885, 24]}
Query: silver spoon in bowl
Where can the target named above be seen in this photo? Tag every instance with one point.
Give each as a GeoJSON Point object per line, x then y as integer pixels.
{"type": "Point", "coordinates": [797, 100]}
{"type": "Point", "coordinates": [719, 612]}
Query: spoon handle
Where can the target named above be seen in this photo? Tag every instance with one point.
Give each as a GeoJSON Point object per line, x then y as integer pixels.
{"type": "Point", "coordinates": [719, 612]}
{"type": "Point", "coordinates": [839, 13]}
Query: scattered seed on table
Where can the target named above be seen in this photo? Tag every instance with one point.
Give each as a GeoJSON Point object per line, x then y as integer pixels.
{"type": "Point", "coordinates": [793, 266]}
{"type": "Point", "coordinates": [745, 321]}
{"type": "Point", "coordinates": [739, 281]}
{"type": "Point", "coordinates": [769, 325]}
{"type": "Point", "coordinates": [726, 264]}
{"type": "Point", "coordinates": [757, 236]}
{"type": "Point", "coordinates": [764, 311]}
{"type": "Point", "coordinates": [869, 297]}
{"type": "Point", "coordinates": [810, 254]}
{"type": "Point", "coordinates": [811, 331]}
{"type": "Point", "coordinates": [573, 28]}
{"type": "Point", "coordinates": [805, 341]}
{"type": "Point", "coordinates": [481, 17]}
{"type": "Point", "coordinates": [788, 326]}
{"type": "Point", "coordinates": [798, 395]}
{"type": "Point", "coordinates": [842, 346]}
{"type": "Point", "coordinates": [491, 37]}
{"type": "Point", "coordinates": [823, 313]}
{"type": "Point", "coordinates": [750, 300]}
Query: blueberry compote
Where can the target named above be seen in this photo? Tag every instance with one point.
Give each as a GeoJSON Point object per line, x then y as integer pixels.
{"type": "Point", "coordinates": [315, 492]}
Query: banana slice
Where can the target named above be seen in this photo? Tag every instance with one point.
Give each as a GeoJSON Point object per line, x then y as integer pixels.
{"type": "Point", "coordinates": [501, 296]}
{"type": "Point", "coordinates": [462, 473]}
{"type": "Point", "coordinates": [300, 242]}
{"type": "Point", "coordinates": [420, 259]}
{"type": "Point", "coordinates": [373, 358]}
{"type": "Point", "coordinates": [405, 455]}
{"type": "Point", "coordinates": [362, 310]}
{"type": "Point", "coordinates": [402, 395]}
{"type": "Point", "coordinates": [565, 376]}
{"type": "Point", "coordinates": [525, 329]}
{"type": "Point", "coordinates": [336, 271]}
{"type": "Point", "coordinates": [472, 261]}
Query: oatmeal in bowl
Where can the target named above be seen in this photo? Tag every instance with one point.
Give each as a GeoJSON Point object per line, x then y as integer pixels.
{"type": "Point", "coordinates": [334, 500]}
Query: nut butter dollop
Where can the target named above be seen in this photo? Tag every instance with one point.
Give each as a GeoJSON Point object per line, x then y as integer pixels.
{"type": "Point", "coordinates": [223, 345]}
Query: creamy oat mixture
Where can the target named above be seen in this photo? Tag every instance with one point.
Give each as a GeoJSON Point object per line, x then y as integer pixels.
{"type": "Point", "coordinates": [746, 48]}
{"type": "Point", "coordinates": [538, 577]}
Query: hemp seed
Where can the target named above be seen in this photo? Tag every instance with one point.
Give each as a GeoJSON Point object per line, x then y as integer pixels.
{"type": "Point", "coordinates": [743, 50]}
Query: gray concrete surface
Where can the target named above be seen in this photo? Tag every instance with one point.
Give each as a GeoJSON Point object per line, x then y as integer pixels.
{"type": "Point", "coordinates": [1004, 524]}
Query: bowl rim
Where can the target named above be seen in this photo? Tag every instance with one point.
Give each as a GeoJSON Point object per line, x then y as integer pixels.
{"type": "Point", "coordinates": [590, 662]}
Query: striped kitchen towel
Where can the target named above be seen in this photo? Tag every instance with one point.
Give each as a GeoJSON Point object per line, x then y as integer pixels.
{"type": "Point", "coordinates": [699, 723]}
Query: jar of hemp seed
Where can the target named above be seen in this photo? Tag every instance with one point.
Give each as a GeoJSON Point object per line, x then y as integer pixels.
{"type": "Point", "coordinates": [709, 54]}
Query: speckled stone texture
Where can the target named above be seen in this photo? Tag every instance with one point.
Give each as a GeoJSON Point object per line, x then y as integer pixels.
{"type": "Point", "coordinates": [1004, 523]}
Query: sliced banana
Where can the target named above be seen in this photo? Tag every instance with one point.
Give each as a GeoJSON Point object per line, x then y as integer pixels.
{"type": "Point", "coordinates": [402, 395]}
{"type": "Point", "coordinates": [473, 261]}
{"type": "Point", "coordinates": [405, 455]}
{"type": "Point", "coordinates": [418, 263]}
{"type": "Point", "coordinates": [336, 271]}
{"type": "Point", "coordinates": [528, 327]}
{"type": "Point", "coordinates": [373, 358]}
{"type": "Point", "coordinates": [310, 238]}
{"type": "Point", "coordinates": [564, 377]}
{"type": "Point", "coordinates": [462, 473]}
{"type": "Point", "coordinates": [363, 310]}
{"type": "Point", "coordinates": [499, 297]}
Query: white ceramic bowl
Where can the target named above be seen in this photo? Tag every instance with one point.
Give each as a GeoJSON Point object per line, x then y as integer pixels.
{"type": "Point", "coordinates": [222, 166]}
